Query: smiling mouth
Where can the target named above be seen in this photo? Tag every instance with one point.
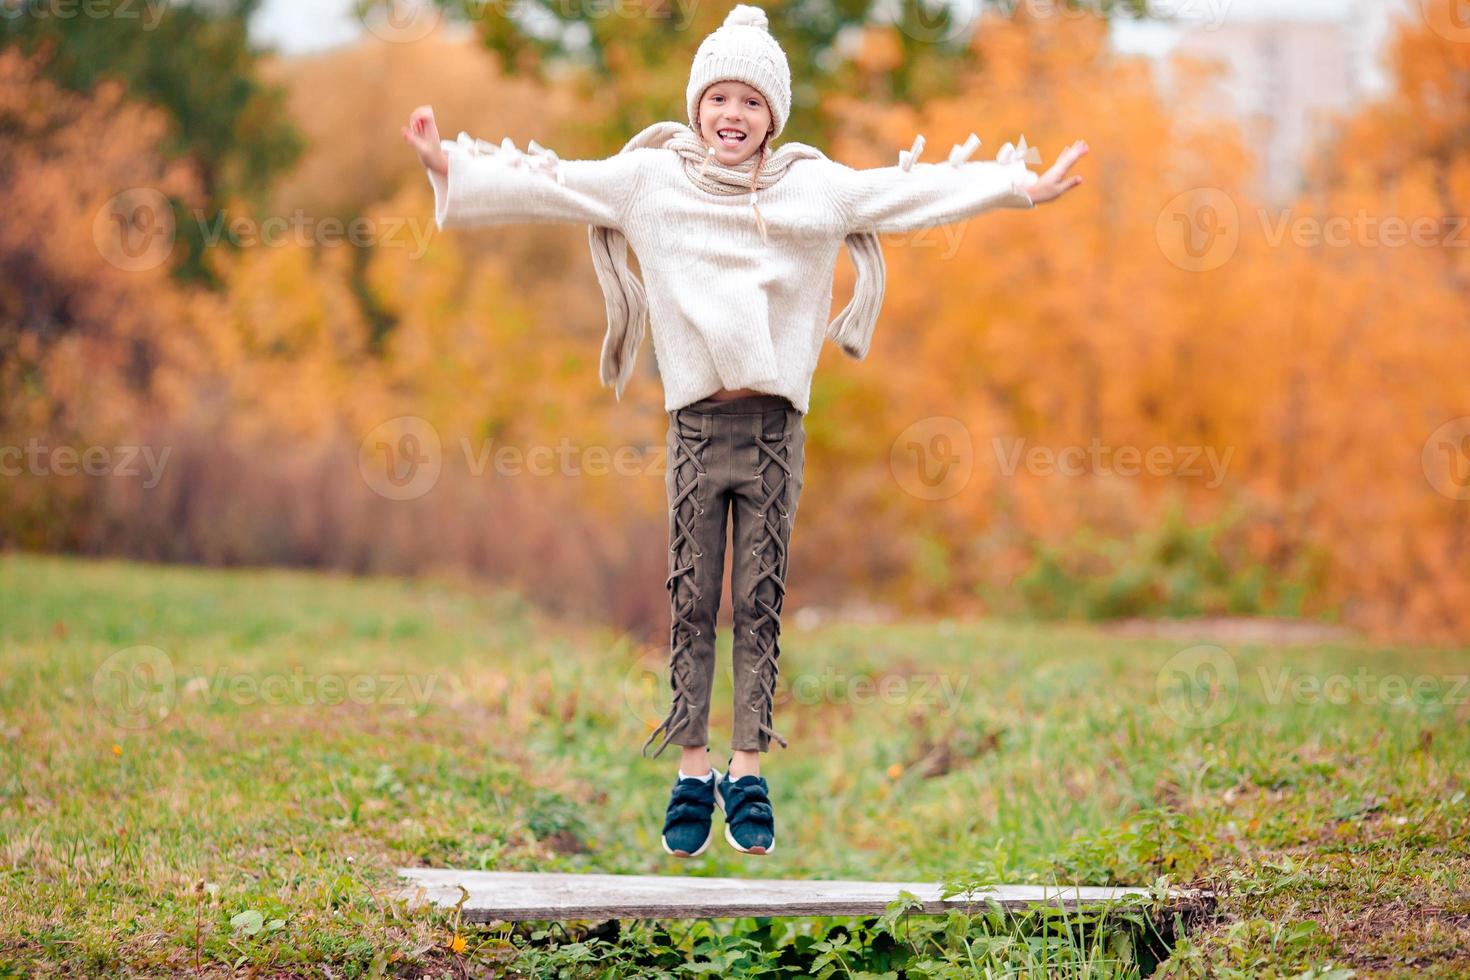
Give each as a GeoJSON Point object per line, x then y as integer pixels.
{"type": "Point", "coordinates": [730, 137]}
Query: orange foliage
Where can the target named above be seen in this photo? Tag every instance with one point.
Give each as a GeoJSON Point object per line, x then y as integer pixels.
{"type": "Point", "coordinates": [1157, 308]}
{"type": "Point", "coordinates": [1319, 371]}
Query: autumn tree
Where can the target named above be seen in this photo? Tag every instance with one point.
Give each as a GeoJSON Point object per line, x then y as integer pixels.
{"type": "Point", "coordinates": [195, 63]}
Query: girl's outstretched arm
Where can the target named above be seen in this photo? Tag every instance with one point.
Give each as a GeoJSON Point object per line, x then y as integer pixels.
{"type": "Point", "coordinates": [896, 199]}
{"type": "Point", "coordinates": [478, 183]}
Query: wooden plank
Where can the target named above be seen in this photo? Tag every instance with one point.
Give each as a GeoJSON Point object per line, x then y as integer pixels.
{"type": "Point", "coordinates": [515, 895]}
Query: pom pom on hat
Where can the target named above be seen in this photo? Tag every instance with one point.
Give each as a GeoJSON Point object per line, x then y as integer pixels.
{"type": "Point", "coordinates": [746, 15]}
{"type": "Point", "coordinates": [743, 49]}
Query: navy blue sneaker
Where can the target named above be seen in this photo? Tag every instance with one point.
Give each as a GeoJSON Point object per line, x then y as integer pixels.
{"type": "Point", "coordinates": [750, 824]}
{"type": "Point", "coordinates": [687, 823]}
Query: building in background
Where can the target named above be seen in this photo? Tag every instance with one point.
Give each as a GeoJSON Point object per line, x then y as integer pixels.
{"type": "Point", "coordinates": [1284, 77]}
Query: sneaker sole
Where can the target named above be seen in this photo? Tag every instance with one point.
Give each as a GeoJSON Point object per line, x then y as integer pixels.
{"type": "Point", "coordinates": [688, 854]}
{"type": "Point", "coordinates": [757, 850]}
{"type": "Point", "coordinates": [707, 837]}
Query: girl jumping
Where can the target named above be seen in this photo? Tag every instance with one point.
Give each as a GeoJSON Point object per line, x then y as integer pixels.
{"type": "Point", "coordinates": [738, 245]}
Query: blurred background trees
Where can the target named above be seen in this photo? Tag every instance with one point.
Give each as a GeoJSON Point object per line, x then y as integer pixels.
{"type": "Point", "coordinates": [273, 375]}
{"type": "Point", "coordinates": [191, 61]}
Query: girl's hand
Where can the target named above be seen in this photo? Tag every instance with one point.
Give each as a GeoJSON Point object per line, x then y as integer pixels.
{"type": "Point", "coordinates": [1055, 182]}
{"type": "Point", "coordinates": [423, 136]}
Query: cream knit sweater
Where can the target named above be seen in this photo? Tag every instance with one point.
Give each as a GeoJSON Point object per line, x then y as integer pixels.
{"type": "Point", "coordinates": [760, 307]}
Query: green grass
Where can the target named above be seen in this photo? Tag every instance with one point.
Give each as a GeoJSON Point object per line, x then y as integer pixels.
{"type": "Point", "coordinates": [213, 819]}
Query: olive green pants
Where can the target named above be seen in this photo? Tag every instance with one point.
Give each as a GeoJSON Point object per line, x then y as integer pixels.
{"type": "Point", "coordinates": [745, 456]}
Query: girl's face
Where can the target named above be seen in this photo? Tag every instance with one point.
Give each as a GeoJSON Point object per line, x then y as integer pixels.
{"type": "Point", "coordinates": [739, 111]}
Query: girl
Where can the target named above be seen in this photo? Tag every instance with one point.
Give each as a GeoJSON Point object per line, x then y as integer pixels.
{"type": "Point", "coordinates": [738, 244]}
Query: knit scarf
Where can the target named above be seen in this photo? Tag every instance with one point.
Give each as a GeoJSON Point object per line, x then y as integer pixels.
{"type": "Point", "coordinates": [627, 307]}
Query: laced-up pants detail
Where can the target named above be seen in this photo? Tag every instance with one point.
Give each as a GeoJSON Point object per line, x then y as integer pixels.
{"type": "Point", "coordinates": [744, 455]}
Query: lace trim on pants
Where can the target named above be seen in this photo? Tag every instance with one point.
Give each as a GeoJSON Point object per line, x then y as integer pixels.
{"type": "Point", "coordinates": [688, 469]}
{"type": "Point", "coordinates": [773, 470]}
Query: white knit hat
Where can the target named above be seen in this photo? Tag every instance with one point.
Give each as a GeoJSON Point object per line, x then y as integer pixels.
{"type": "Point", "coordinates": [744, 50]}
